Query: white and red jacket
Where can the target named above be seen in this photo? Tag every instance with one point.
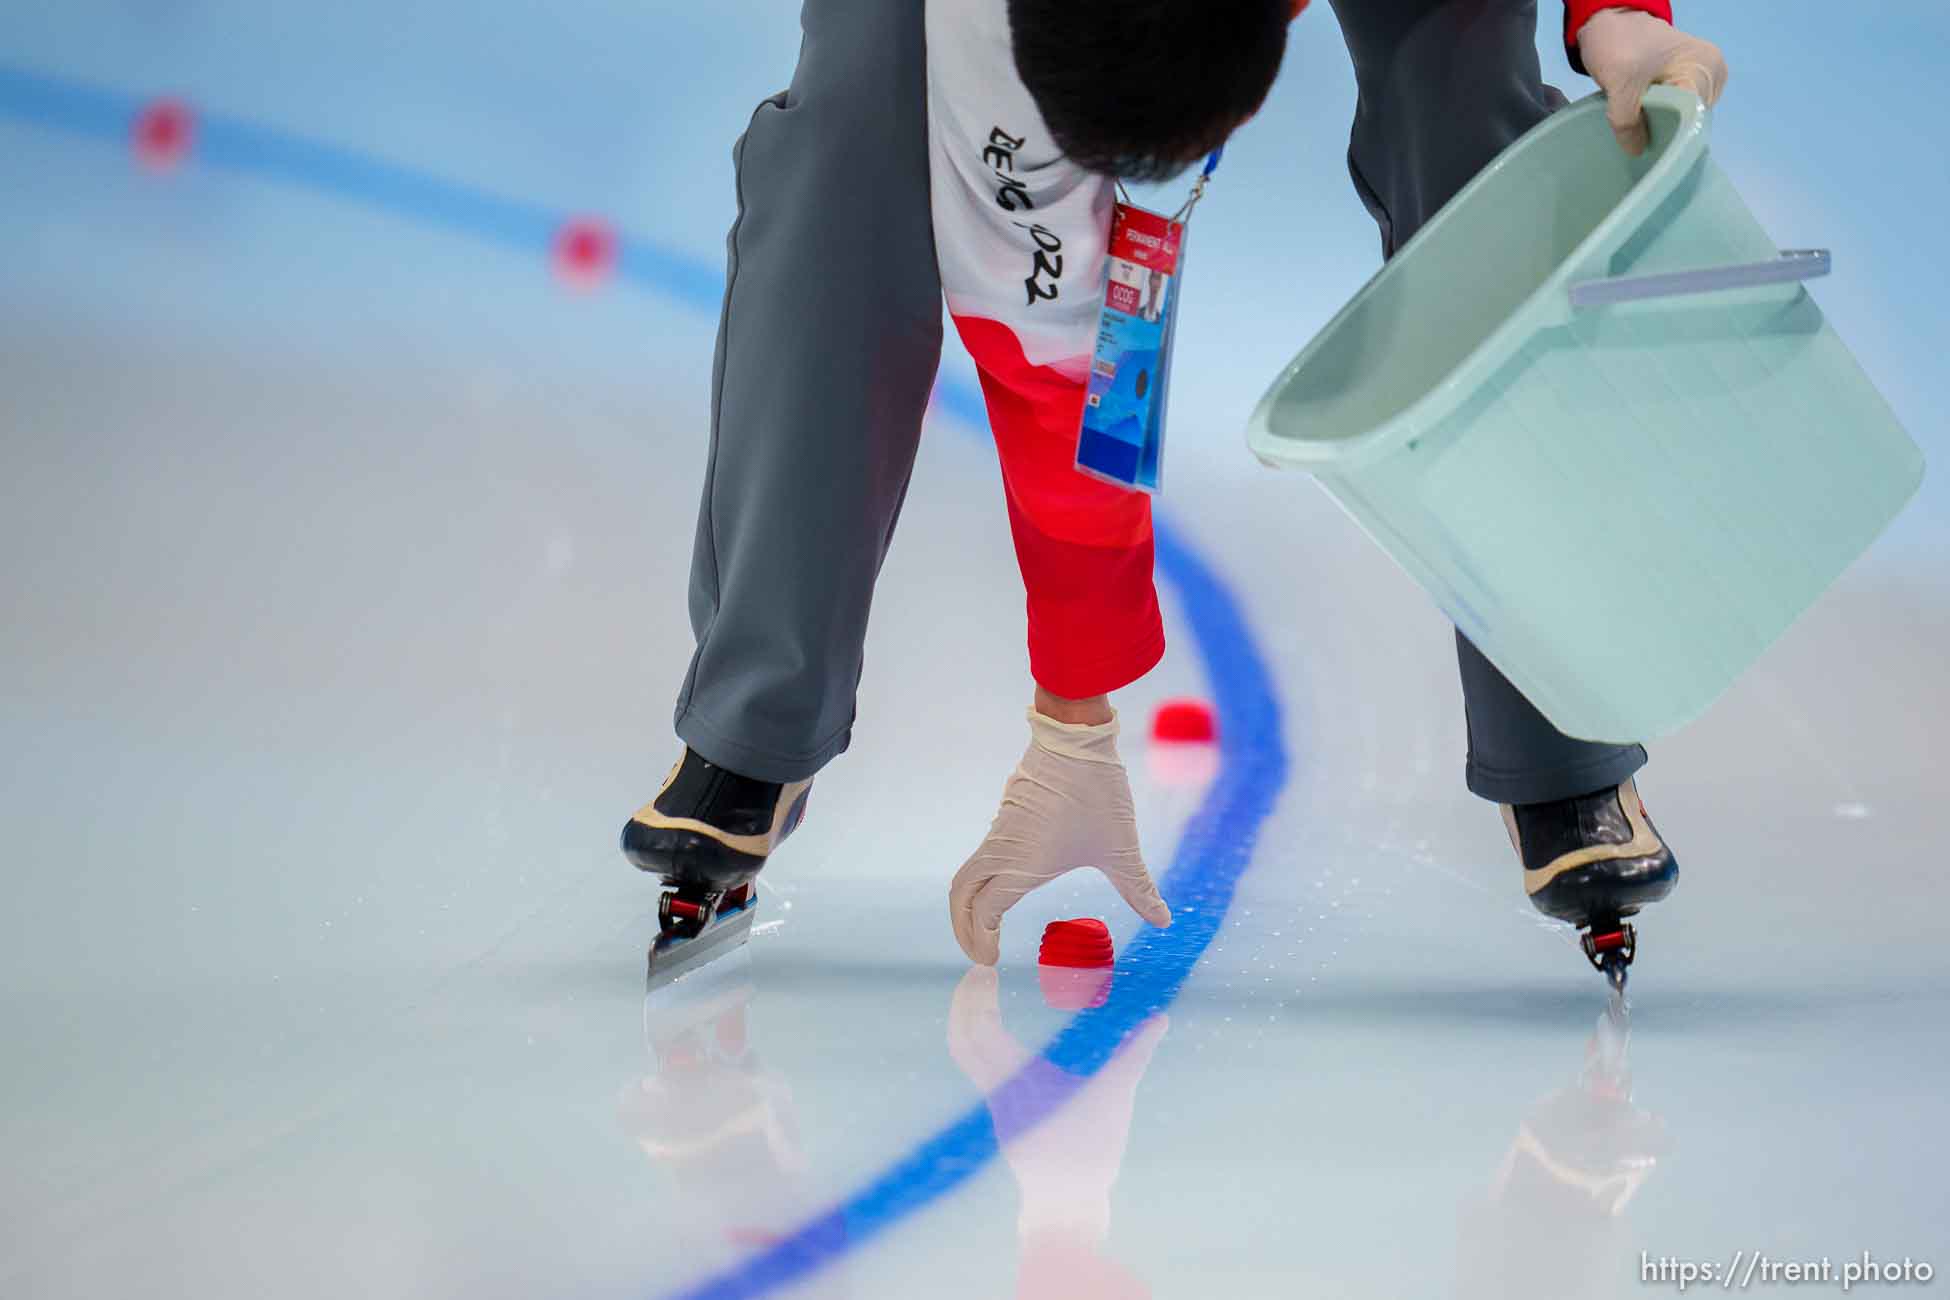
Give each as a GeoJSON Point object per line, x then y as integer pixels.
{"type": "Point", "coordinates": [1020, 233]}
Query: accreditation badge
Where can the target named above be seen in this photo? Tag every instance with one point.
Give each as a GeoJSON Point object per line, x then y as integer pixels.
{"type": "Point", "coordinates": [1122, 437]}
{"type": "Point", "coordinates": [1123, 433]}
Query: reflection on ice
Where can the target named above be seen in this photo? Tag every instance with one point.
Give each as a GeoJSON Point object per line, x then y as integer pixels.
{"type": "Point", "coordinates": [1065, 1156]}
{"type": "Point", "coordinates": [1550, 1222]}
{"type": "Point", "coordinates": [721, 1122]}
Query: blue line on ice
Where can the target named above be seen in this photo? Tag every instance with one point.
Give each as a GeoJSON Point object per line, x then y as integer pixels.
{"type": "Point", "coordinates": [1216, 848]}
{"type": "Point", "coordinates": [236, 145]}
{"type": "Point", "coordinates": [1218, 841]}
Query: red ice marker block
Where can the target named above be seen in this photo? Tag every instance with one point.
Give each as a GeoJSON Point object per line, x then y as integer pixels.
{"type": "Point", "coordinates": [585, 252]}
{"type": "Point", "coordinates": [1187, 722]}
{"type": "Point", "coordinates": [1084, 942]}
{"type": "Point", "coordinates": [163, 133]}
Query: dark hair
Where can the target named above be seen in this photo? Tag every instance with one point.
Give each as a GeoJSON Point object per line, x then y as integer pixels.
{"type": "Point", "coordinates": [1144, 88]}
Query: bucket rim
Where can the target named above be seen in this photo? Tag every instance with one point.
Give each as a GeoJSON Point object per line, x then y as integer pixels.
{"type": "Point", "coordinates": [1688, 145]}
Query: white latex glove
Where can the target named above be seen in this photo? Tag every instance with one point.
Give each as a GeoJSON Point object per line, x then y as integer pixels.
{"type": "Point", "coordinates": [1627, 51]}
{"type": "Point", "coordinates": [1067, 806]}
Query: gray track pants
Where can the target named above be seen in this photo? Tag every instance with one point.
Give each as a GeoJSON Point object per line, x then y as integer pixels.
{"type": "Point", "coordinates": [831, 334]}
{"type": "Point", "coordinates": [827, 350]}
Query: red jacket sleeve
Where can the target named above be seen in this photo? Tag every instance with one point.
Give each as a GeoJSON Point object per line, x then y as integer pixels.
{"type": "Point", "coordinates": [1578, 12]}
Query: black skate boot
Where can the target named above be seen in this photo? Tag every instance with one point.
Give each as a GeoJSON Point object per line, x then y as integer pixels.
{"type": "Point", "coordinates": [1594, 860]}
{"type": "Point", "coordinates": [707, 833]}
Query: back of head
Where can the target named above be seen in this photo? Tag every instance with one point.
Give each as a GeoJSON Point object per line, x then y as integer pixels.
{"type": "Point", "coordinates": [1143, 88]}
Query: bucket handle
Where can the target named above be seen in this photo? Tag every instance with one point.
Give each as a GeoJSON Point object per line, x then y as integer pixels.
{"type": "Point", "coordinates": [1792, 265]}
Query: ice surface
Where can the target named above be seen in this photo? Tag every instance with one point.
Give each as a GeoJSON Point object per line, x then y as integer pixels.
{"type": "Point", "coordinates": [344, 607]}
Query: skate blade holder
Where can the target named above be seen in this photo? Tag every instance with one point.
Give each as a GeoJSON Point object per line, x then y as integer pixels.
{"type": "Point", "coordinates": [1610, 945]}
{"type": "Point", "coordinates": [682, 914]}
{"type": "Point", "coordinates": [720, 927]}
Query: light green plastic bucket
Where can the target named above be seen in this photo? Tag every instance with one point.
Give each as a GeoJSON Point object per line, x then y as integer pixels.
{"type": "Point", "coordinates": [1622, 502]}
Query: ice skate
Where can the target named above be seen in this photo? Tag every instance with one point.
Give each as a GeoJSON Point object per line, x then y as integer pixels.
{"type": "Point", "coordinates": [1594, 860]}
{"type": "Point", "coordinates": [708, 833]}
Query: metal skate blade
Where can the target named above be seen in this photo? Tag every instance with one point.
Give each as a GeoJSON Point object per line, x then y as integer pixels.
{"type": "Point", "coordinates": [671, 959]}
{"type": "Point", "coordinates": [1616, 974]}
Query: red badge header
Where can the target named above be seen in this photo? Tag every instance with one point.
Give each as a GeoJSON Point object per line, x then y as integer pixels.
{"type": "Point", "coordinates": [1145, 238]}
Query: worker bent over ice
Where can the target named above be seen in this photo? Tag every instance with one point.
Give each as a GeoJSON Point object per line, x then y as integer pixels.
{"type": "Point", "coordinates": [968, 150]}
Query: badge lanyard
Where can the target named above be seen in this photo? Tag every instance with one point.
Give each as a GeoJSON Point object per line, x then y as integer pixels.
{"type": "Point", "coordinates": [1122, 435]}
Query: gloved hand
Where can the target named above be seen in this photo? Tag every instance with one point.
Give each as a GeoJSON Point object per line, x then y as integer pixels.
{"type": "Point", "coordinates": [1067, 806]}
{"type": "Point", "coordinates": [1626, 51]}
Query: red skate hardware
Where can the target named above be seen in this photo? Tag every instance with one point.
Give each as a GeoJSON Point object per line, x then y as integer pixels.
{"type": "Point", "coordinates": [696, 924]}
{"type": "Point", "coordinates": [1609, 944]}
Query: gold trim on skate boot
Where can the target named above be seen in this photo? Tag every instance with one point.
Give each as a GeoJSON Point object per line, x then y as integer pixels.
{"type": "Point", "coordinates": [1644, 842]}
{"type": "Point", "coordinates": [757, 846]}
